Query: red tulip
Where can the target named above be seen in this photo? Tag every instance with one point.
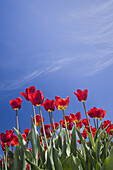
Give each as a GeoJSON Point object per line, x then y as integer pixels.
{"type": "Point", "coordinates": [16, 103]}
{"type": "Point", "coordinates": [29, 90]}
{"type": "Point", "coordinates": [24, 136]}
{"type": "Point", "coordinates": [49, 105]}
{"type": "Point", "coordinates": [79, 125]}
{"type": "Point", "coordinates": [26, 131]}
{"type": "Point", "coordinates": [61, 104]}
{"type": "Point", "coordinates": [3, 145]}
{"type": "Point", "coordinates": [36, 98]}
{"type": "Point", "coordinates": [85, 122]}
{"type": "Point", "coordinates": [38, 120]}
{"type": "Point", "coordinates": [81, 95]}
{"type": "Point", "coordinates": [14, 140]}
{"type": "Point", "coordinates": [70, 126]}
{"type": "Point", "coordinates": [47, 130]}
{"type": "Point", "coordinates": [76, 117]}
{"type": "Point", "coordinates": [28, 167]}
{"type": "Point", "coordinates": [5, 137]}
{"type": "Point", "coordinates": [96, 113]}
{"type": "Point", "coordinates": [56, 125]}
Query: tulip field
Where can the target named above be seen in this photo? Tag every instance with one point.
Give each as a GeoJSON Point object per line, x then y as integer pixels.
{"type": "Point", "coordinates": [72, 143]}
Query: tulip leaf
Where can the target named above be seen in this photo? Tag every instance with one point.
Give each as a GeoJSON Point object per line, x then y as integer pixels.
{"type": "Point", "coordinates": [57, 162]}
{"type": "Point", "coordinates": [33, 139]}
{"type": "Point", "coordinates": [64, 153]}
{"type": "Point", "coordinates": [90, 138]}
{"type": "Point", "coordinates": [98, 166]}
{"type": "Point", "coordinates": [96, 134]}
{"type": "Point", "coordinates": [69, 163]}
{"type": "Point", "coordinates": [17, 161]}
{"type": "Point", "coordinates": [108, 165]}
{"type": "Point", "coordinates": [21, 140]}
{"type": "Point", "coordinates": [33, 166]}
{"type": "Point", "coordinates": [74, 141]}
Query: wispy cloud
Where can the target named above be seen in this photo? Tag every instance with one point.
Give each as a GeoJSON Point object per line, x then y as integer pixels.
{"type": "Point", "coordinates": [20, 81]}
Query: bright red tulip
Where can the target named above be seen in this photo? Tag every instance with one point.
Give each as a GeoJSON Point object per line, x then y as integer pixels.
{"type": "Point", "coordinates": [61, 104]}
{"type": "Point", "coordinates": [79, 125]}
{"type": "Point", "coordinates": [97, 113]}
{"type": "Point", "coordinates": [16, 103]}
{"type": "Point", "coordinates": [75, 117]}
{"type": "Point", "coordinates": [85, 122]}
{"type": "Point", "coordinates": [56, 125]}
{"type": "Point", "coordinates": [49, 105]}
{"type": "Point", "coordinates": [3, 145]}
{"type": "Point", "coordinates": [26, 131]}
{"type": "Point", "coordinates": [29, 90]}
{"type": "Point", "coordinates": [81, 95]}
{"type": "Point", "coordinates": [24, 136]}
{"type": "Point", "coordinates": [14, 140]}
{"type": "Point", "coordinates": [38, 120]}
{"type": "Point", "coordinates": [36, 98]}
{"type": "Point", "coordinates": [62, 123]}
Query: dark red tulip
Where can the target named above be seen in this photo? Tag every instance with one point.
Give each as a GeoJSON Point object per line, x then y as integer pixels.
{"type": "Point", "coordinates": [16, 103]}
{"type": "Point", "coordinates": [29, 90]}
{"type": "Point", "coordinates": [81, 95]}
{"type": "Point", "coordinates": [49, 105]}
{"type": "Point", "coordinates": [36, 98]}
{"type": "Point", "coordinates": [97, 113]}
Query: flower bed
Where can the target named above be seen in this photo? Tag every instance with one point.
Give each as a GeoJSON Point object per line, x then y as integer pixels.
{"type": "Point", "coordinates": [71, 143]}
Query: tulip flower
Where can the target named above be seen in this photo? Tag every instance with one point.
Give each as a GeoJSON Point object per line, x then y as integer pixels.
{"type": "Point", "coordinates": [97, 113]}
{"type": "Point", "coordinates": [61, 104]}
{"type": "Point", "coordinates": [47, 130]}
{"type": "Point", "coordinates": [14, 140]}
{"type": "Point", "coordinates": [56, 125]}
{"type": "Point", "coordinates": [38, 120]}
{"type": "Point", "coordinates": [81, 95]}
{"type": "Point", "coordinates": [36, 98]}
{"type": "Point", "coordinates": [26, 131]}
{"type": "Point", "coordinates": [85, 122]}
{"type": "Point", "coordinates": [16, 103]}
{"type": "Point", "coordinates": [49, 105]}
{"type": "Point", "coordinates": [75, 117]}
{"type": "Point", "coordinates": [29, 90]}
{"type": "Point", "coordinates": [5, 137]}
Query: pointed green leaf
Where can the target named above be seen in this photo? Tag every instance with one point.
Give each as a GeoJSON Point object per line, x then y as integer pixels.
{"type": "Point", "coordinates": [69, 163]}
{"type": "Point", "coordinates": [74, 142]}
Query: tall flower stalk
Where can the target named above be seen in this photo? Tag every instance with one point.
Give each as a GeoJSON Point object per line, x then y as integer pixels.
{"type": "Point", "coordinates": [34, 114]}
{"type": "Point", "coordinates": [17, 124]}
{"type": "Point", "coordinates": [66, 125]}
{"type": "Point", "coordinates": [43, 128]}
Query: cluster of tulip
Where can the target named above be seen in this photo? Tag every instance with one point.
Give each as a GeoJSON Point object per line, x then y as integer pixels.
{"type": "Point", "coordinates": [36, 97]}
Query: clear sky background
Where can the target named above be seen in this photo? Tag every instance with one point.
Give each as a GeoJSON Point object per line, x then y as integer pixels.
{"type": "Point", "coordinates": [57, 46]}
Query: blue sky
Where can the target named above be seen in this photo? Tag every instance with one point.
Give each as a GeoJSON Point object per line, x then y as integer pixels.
{"type": "Point", "coordinates": [58, 46]}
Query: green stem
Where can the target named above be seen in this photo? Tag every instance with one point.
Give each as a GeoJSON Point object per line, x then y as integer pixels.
{"type": "Point", "coordinates": [94, 123]}
{"type": "Point", "coordinates": [34, 114]}
{"type": "Point", "coordinates": [50, 119]}
{"type": "Point", "coordinates": [43, 128]}
{"type": "Point", "coordinates": [87, 119]}
{"type": "Point", "coordinates": [5, 159]}
{"type": "Point", "coordinates": [97, 123]}
{"type": "Point", "coordinates": [41, 137]}
{"type": "Point", "coordinates": [65, 125]}
{"type": "Point", "coordinates": [53, 124]}
{"type": "Point", "coordinates": [17, 121]}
